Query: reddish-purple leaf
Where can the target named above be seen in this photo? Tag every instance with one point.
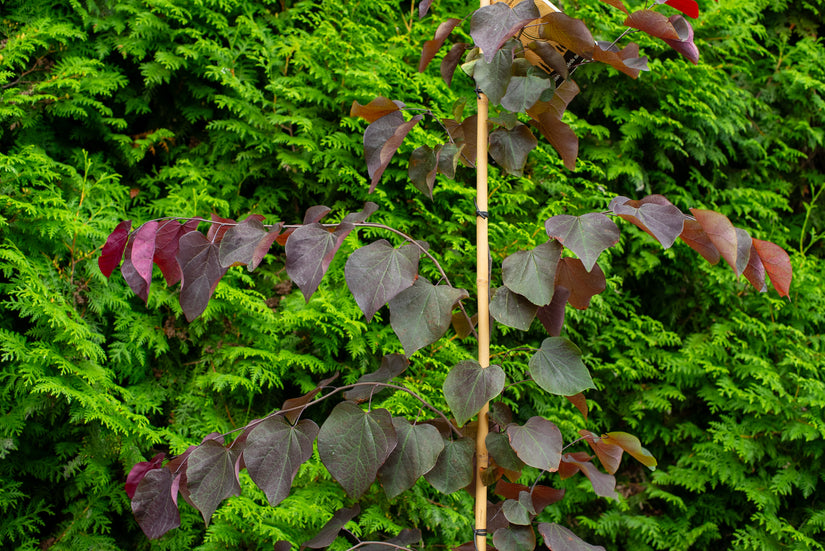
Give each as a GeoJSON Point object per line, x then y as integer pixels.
{"type": "Point", "coordinates": [211, 477]}
{"type": "Point", "coordinates": [558, 538]}
{"type": "Point", "coordinates": [431, 47]}
{"type": "Point", "coordinates": [687, 7]}
{"type": "Point", "coordinates": [580, 402]}
{"type": "Point", "coordinates": [451, 61]}
{"type": "Point", "coordinates": [512, 309]}
{"type": "Point", "coordinates": [515, 538]}
{"type": "Point", "coordinates": [610, 455]}
{"type": "Point", "coordinates": [273, 453]}
{"type": "Point", "coordinates": [557, 105]}
{"type": "Point", "coordinates": [374, 110]}
{"type": "Point", "coordinates": [542, 495]}
{"type": "Point", "coordinates": [454, 468]}
{"type": "Point", "coordinates": [421, 314]}
{"type": "Point", "coordinates": [620, 59]}
{"type": "Point", "coordinates": [532, 273]}
{"type": "Point", "coordinates": [721, 233]}
{"type": "Point", "coordinates": [293, 414]}
{"type": "Point", "coordinates": [549, 58]}
{"type": "Point", "coordinates": [137, 268]}
{"type": "Point", "coordinates": [282, 545]}
{"type": "Point", "coordinates": [415, 453]}
{"type": "Point", "coordinates": [583, 285]}
{"type": "Point", "coordinates": [510, 148]}
{"type": "Point", "coordinates": [652, 23]}
{"type": "Point", "coordinates": [353, 444]}
{"type": "Point", "coordinates": [330, 531]}
{"type": "Point", "coordinates": [201, 271]}
{"type": "Point", "coordinates": [552, 315]}
{"type": "Point", "coordinates": [153, 504]}
{"type": "Point", "coordinates": [382, 139]}
{"type": "Point", "coordinates": [557, 367]}
{"type": "Point", "coordinates": [696, 238]}
{"type": "Point", "coordinates": [777, 263]}
{"type": "Point", "coordinates": [560, 136]}
{"type": "Point", "coordinates": [571, 33]}
{"type": "Point", "coordinates": [586, 235]}
{"type": "Point", "coordinates": [755, 271]}
{"type": "Point", "coordinates": [538, 443]}
{"type": "Point", "coordinates": [310, 251]}
{"type": "Point", "coordinates": [603, 484]}
{"type": "Point", "coordinates": [631, 445]}
{"type": "Point", "coordinates": [685, 44]}
{"type": "Point", "coordinates": [422, 169]}
{"type": "Point", "coordinates": [167, 244]}
{"type": "Point", "coordinates": [362, 215]}
{"type": "Point", "coordinates": [139, 471]}
{"type": "Point", "coordinates": [654, 214]}
{"type": "Point", "coordinates": [112, 252]}
{"type": "Point", "coordinates": [469, 386]}
{"type": "Point", "coordinates": [492, 25]}
{"type": "Point", "coordinates": [423, 8]}
{"type": "Point", "coordinates": [392, 365]}
{"type": "Point", "coordinates": [246, 243]}
{"type": "Point", "coordinates": [218, 227]}
{"type": "Point", "coordinates": [377, 272]}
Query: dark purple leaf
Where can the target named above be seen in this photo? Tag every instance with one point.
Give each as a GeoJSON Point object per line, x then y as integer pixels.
{"type": "Point", "coordinates": [273, 453]}
{"type": "Point", "coordinates": [498, 446]}
{"type": "Point", "coordinates": [512, 309]}
{"type": "Point", "coordinates": [362, 215]}
{"type": "Point", "coordinates": [431, 47]}
{"type": "Point", "coordinates": [586, 235]}
{"type": "Point", "coordinates": [415, 453]}
{"type": "Point", "coordinates": [469, 386]}
{"type": "Point", "coordinates": [310, 251]}
{"type": "Point", "coordinates": [492, 77]}
{"type": "Point", "coordinates": [405, 538]}
{"type": "Point", "coordinates": [421, 314]}
{"type": "Point", "coordinates": [137, 268]}
{"type": "Point", "coordinates": [112, 252]}
{"type": "Point", "coordinates": [154, 505]}
{"type": "Point", "coordinates": [492, 25]}
{"type": "Point", "coordinates": [560, 136]}
{"type": "Point", "coordinates": [685, 45]}
{"type": "Point", "coordinates": [654, 214]}
{"type": "Point", "coordinates": [392, 365]}
{"type": "Point", "coordinates": [211, 477]}
{"type": "Point", "coordinates": [582, 285]}
{"type": "Point", "coordinates": [557, 367]}
{"type": "Point", "coordinates": [382, 139]}
{"type": "Point", "coordinates": [333, 526]}
{"type": "Point", "coordinates": [201, 271]}
{"type": "Point", "coordinates": [167, 244]}
{"type": "Point", "coordinates": [652, 23]}
{"type": "Point", "coordinates": [377, 272]}
{"type": "Point", "coordinates": [454, 468]}
{"type": "Point", "coordinates": [571, 33]}
{"type": "Point", "coordinates": [550, 58]}
{"type": "Point", "coordinates": [353, 444]}
{"type": "Point", "coordinates": [538, 443]}
{"type": "Point", "coordinates": [282, 545]}
{"type": "Point", "coordinates": [532, 273]}
{"type": "Point", "coordinates": [603, 484]}
{"type": "Point", "coordinates": [510, 148]}
{"type": "Point", "coordinates": [139, 470]}
{"type": "Point", "coordinates": [451, 61]}
{"type": "Point", "coordinates": [422, 169]}
{"type": "Point", "coordinates": [246, 243]}
{"type": "Point", "coordinates": [559, 538]}
{"type": "Point", "coordinates": [515, 538]}
{"type": "Point", "coordinates": [552, 315]}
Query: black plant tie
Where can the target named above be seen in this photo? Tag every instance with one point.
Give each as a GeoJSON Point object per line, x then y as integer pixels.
{"type": "Point", "coordinates": [478, 532]}
{"type": "Point", "coordinates": [479, 91]}
{"type": "Point", "coordinates": [483, 213]}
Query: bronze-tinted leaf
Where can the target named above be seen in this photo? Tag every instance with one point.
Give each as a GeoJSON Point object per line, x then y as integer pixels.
{"type": "Point", "coordinates": [512, 309]}
{"type": "Point", "coordinates": [755, 271]}
{"type": "Point", "coordinates": [392, 365]}
{"type": "Point", "coordinates": [580, 402]}
{"type": "Point", "coordinates": [112, 252]}
{"type": "Point", "coordinates": [614, 59]}
{"type": "Point", "coordinates": [218, 227]}
{"type": "Point", "coordinates": [557, 367]}
{"type": "Point", "coordinates": [374, 110]}
{"type": "Point", "coordinates": [560, 136]}
{"type": "Point", "coordinates": [652, 23]}
{"type": "Point", "coordinates": [353, 444]}
{"type": "Point", "coordinates": [382, 139]}
{"type": "Point", "coordinates": [153, 504]}
{"type": "Point", "coordinates": [211, 476]}
{"type": "Point", "coordinates": [416, 453]}
{"type": "Point", "coordinates": [550, 57]}
{"type": "Point", "coordinates": [310, 251]}
{"type": "Point", "coordinates": [631, 445]}
{"type": "Point", "coordinates": [431, 47]}
{"type": "Point", "coordinates": [137, 267]}
{"type": "Point", "coordinates": [571, 33]}
{"type": "Point", "coordinates": [616, 4]}
{"type": "Point", "coordinates": [583, 285]}
{"type": "Point", "coordinates": [492, 25]}
{"type": "Point", "coordinates": [290, 413]}
{"type": "Point", "coordinates": [696, 238]}
{"type": "Point", "coordinates": [201, 271]}
{"type": "Point", "coordinates": [610, 455]}
{"type": "Point", "coordinates": [454, 468]}
{"type": "Point", "coordinates": [377, 272]}
{"type": "Point", "coordinates": [558, 538]}
{"type": "Point", "coordinates": [723, 235]}
{"type": "Point", "coordinates": [586, 235]}
{"type": "Point", "coordinates": [538, 443]}
{"type": "Point", "coordinates": [469, 386]}
{"type": "Point", "coordinates": [532, 273]}
{"type": "Point", "coordinates": [332, 528]}
{"type": "Point", "coordinates": [777, 263]}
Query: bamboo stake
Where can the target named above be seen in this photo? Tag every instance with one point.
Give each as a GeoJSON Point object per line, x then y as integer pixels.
{"type": "Point", "coordinates": [483, 289]}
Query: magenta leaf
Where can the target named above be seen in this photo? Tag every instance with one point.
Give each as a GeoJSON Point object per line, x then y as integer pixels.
{"type": "Point", "coordinates": [557, 367]}
{"type": "Point", "coordinates": [415, 453]}
{"type": "Point", "coordinates": [538, 443]}
{"type": "Point", "coordinates": [392, 365]}
{"type": "Point", "coordinates": [353, 444]}
{"type": "Point", "coordinates": [559, 538]}
{"type": "Point", "coordinates": [510, 148]}
{"type": "Point", "coordinates": [382, 139]}
{"type": "Point", "coordinates": [454, 468]}
{"type": "Point", "coordinates": [421, 314]}
{"type": "Point", "coordinates": [201, 271]}
{"type": "Point", "coordinates": [431, 47]}
{"type": "Point", "coordinates": [532, 273]}
{"type": "Point", "coordinates": [520, 511]}
{"type": "Point", "coordinates": [211, 477]}
{"type": "Point", "coordinates": [309, 252]}
{"type": "Point", "coordinates": [492, 25]}
{"type": "Point", "coordinates": [586, 235]}
{"type": "Point", "coordinates": [273, 453]}
{"type": "Point", "coordinates": [515, 538]}
{"type": "Point", "coordinates": [246, 243]}
{"type": "Point", "coordinates": [153, 504]}
{"type": "Point", "coordinates": [685, 44]}
{"type": "Point", "coordinates": [377, 272]}
{"type": "Point", "coordinates": [112, 252]}
{"type": "Point", "coordinates": [654, 214]}
{"type": "Point", "coordinates": [167, 244]}
{"type": "Point", "coordinates": [137, 268]}
{"type": "Point", "coordinates": [499, 448]}
{"type": "Point", "coordinates": [333, 526]}
{"type": "Point", "coordinates": [512, 309]}
{"type": "Point", "coordinates": [469, 386]}
{"type": "Point", "coordinates": [139, 471]}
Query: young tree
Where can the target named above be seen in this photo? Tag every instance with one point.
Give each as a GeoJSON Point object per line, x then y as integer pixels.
{"type": "Point", "coordinates": [521, 62]}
